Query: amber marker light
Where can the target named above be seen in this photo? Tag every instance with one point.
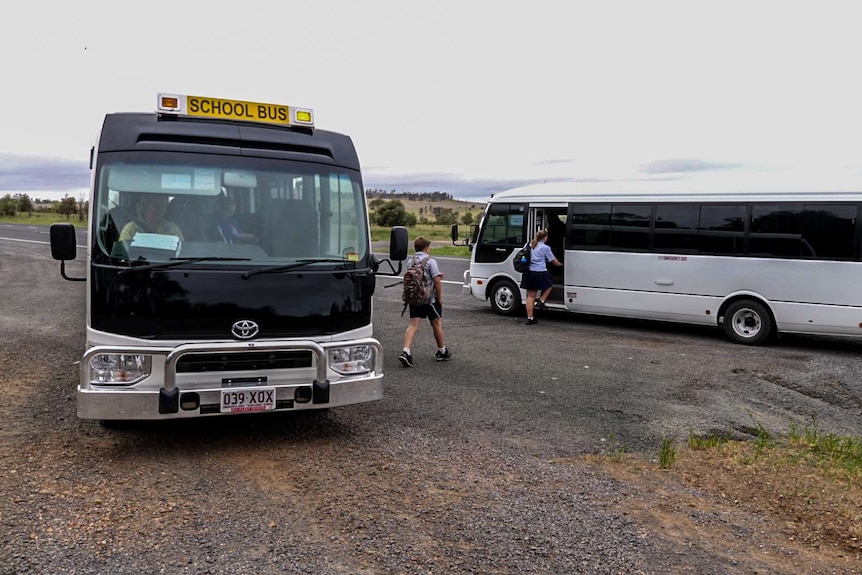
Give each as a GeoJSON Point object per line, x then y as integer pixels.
{"type": "Point", "coordinates": [303, 117]}
{"type": "Point", "coordinates": [171, 103]}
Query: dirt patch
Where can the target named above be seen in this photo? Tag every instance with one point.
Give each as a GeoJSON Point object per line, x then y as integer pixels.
{"type": "Point", "coordinates": [770, 510]}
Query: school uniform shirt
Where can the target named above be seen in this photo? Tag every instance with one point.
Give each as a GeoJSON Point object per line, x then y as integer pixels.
{"type": "Point", "coordinates": [433, 271]}
{"type": "Point", "coordinates": [540, 257]}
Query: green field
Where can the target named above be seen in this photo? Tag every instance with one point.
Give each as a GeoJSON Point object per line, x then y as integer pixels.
{"type": "Point", "coordinates": [440, 235]}
{"type": "Point", "coordinates": [42, 219]}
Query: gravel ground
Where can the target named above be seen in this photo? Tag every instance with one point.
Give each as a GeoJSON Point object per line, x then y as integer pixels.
{"type": "Point", "coordinates": [456, 471]}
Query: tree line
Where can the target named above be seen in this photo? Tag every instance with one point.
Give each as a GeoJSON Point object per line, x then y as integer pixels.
{"type": "Point", "coordinates": [412, 196]}
{"type": "Point", "coordinates": [387, 213]}
{"type": "Point", "coordinates": [12, 205]}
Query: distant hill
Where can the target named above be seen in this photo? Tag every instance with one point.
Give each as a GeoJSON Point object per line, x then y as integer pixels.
{"type": "Point", "coordinates": [424, 204]}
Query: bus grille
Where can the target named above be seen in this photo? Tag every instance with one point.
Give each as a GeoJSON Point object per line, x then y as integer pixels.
{"type": "Point", "coordinates": [244, 361]}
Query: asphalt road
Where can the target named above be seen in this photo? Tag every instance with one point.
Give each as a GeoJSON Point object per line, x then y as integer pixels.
{"type": "Point", "coordinates": [448, 473]}
{"type": "Point", "coordinates": [573, 383]}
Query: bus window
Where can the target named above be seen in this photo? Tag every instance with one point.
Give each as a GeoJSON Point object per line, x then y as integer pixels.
{"type": "Point", "coordinates": [591, 224]}
{"type": "Point", "coordinates": [776, 230]}
{"type": "Point", "coordinates": [829, 229]}
{"type": "Point", "coordinates": [676, 228]}
{"type": "Point", "coordinates": [630, 226]}
{"type": "Point", "coordinates": [722, 229]}
{"type": "Point", "coordinates": [504, 225]}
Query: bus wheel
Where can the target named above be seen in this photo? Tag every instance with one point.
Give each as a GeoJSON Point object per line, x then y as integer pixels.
{"type": "Point", "coordinates": [748, 322]}
{"type": "Point", "coordinates": [505, 297]}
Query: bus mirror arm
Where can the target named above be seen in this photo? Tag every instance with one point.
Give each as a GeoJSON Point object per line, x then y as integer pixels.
{"type": "Point", "coordinates": [65, 277]}
{"type": "Point", "coordinates": [394, 272]}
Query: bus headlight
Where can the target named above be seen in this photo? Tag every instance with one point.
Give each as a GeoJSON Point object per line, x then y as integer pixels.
{"type": "Point", "coordinates": [119, 369]}
{"type": "Point", "coordinates": [352, 360]}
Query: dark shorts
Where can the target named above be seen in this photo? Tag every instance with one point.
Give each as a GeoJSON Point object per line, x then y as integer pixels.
{"type": "Point", "coordinates": [431, 310]}
{"type": "Point", "coordinates": [537, 281]}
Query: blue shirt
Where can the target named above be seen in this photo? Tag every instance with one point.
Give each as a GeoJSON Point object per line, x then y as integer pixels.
{"type": "Point", "coordinates": [540, 257]}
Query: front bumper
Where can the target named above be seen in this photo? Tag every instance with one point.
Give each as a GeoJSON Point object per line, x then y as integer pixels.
{"type": "Point", "coordinates": [167, 394]}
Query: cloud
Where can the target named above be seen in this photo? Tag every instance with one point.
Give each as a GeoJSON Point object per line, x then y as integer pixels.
{"type": "Point", "coordinates": [553, 162]}
{"type": "Point", "coordinates": [38, 173]}
{"type": "Point", "coordinates": [461, 187]}
{"type": "Point", "coordinates": [675, 166]}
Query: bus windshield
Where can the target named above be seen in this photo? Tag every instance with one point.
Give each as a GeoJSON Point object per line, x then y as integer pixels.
{"type": "Point", "coordinates": [226, 210]}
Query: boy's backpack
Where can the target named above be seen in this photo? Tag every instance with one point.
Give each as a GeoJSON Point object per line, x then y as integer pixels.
{"type": "Point", "coordinates": [416, 290]}
{"type": "Point", "coordinates": [521, 261]}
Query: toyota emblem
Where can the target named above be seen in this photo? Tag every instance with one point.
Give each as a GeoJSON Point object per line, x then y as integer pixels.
{"type": "Point", "coordinates": [244, 329]}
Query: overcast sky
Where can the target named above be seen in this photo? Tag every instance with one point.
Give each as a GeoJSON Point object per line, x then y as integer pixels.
{"type": "Point", "coordinates": [463, 97]}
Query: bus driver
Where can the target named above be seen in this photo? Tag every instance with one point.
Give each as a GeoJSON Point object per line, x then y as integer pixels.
{"type": "Point", "coordinates": [151, 218]}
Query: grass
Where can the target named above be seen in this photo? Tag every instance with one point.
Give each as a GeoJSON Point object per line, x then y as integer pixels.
{"type": "Point", "coordinates": [440, 235]}
{"type": "Point", "coordinates": [42, 219]}
{"type": "Point", "coordinates": [667, 453]}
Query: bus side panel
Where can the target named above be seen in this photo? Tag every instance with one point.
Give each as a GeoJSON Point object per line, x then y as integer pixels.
{"type": "Point", "coordinates": [818, 319]}
{"type": "Point", "coordinates": [805, 296]}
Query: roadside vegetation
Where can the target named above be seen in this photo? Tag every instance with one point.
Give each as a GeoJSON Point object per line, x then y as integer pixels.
{"type": "Point", "coordinates": [427, 215]}
{"type": "Point", "coordinates": [809, 481]}
{"type": "Point", "coordinates": [22, 209]}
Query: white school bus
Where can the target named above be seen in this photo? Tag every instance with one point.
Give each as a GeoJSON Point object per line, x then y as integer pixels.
{"type": "Point", "coordinates": [754, 264]}
{"type": "Point", "coordinates": [229, 265]}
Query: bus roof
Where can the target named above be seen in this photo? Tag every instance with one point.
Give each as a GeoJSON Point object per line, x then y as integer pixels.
{"type": "Point", "coordinates": [154, 132]}
{"type": "Point", "coordinates": [564, 192]}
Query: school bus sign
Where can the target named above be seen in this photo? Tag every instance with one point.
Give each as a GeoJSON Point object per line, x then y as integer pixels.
{"type": "Point", "coordinates": [205, 107]}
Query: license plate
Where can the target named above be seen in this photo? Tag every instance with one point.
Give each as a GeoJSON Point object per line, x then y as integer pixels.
{"type": "Point", "coordinates": [247, 399]}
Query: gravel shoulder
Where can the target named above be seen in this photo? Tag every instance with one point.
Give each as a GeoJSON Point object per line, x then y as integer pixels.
{"type": "Point", "coordinates": [448, 474]}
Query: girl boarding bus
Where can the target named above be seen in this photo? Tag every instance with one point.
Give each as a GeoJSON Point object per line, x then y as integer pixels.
{"type": "Point", "coordinates": [755, 265]}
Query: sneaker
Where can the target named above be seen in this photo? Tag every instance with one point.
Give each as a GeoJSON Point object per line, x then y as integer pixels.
{"type": "Point", "coordinates": [445, 356]}
{"type": "Point", "coordinates": [532, 321]}
{"type": "Point", "coordinates": [406, 359]}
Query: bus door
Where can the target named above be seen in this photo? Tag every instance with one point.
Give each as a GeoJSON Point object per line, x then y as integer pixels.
{"type": "Point", "coordinates": [553, 219]}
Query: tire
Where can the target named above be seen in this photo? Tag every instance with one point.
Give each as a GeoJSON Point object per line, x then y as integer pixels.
{"type": "Point", "coordinates": [505, 297]}
{"type": "Point", "coordinates": [747, 322]}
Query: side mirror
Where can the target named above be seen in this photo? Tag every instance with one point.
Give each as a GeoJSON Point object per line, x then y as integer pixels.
{"type": "Point", "coordinates": [398, 240]}
{"type": "Point", "coordinates": [64, 248]}
{"type": "Point", "coordinates": [464, 242]}
{"type": "Point", "coordinates": [63, 240]}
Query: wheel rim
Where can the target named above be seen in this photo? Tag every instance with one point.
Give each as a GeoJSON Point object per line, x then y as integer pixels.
{"type": "Point", "coordinates": [746, 323]}
{"type": "Point", "coordinates": [504, 298]}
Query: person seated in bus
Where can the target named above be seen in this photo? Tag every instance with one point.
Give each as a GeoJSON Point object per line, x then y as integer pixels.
{"type": "Point", "coordinates": [151, 210]}
{"type": "Point", "coordinates": [228, 226]}
{"type": "Point", "coordinates": [538, 278]}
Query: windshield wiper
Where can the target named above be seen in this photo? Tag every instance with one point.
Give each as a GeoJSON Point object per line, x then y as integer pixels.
{"type": "Point", "coordinates": [179, 261]}
{"type": "Point", "coordinates": [285, 267]}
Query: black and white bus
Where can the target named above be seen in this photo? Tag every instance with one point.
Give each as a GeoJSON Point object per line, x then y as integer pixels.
{"type": "Point", "coordinates": [755, 264]}
{"type": "Point", "coordinates": [229, 265]}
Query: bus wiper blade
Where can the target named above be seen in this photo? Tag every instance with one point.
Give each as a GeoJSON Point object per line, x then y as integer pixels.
{"type": "Point", "coordinates": [179, 261]}
{"type": "Point", "coordinates": [286, 267]}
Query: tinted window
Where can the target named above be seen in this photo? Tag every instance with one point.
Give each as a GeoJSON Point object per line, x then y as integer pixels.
{"type": "Point", "coordinates": [591, 225]}
{"type": "Point", "coordinates": [776, 230]}
{"type": "Point", "coordinates": [722, 229]}
{"type": "Point", "coordinates": [828, 231]}
{"type": "Point", "coordinates": [630, 225]}
{"type": "Point", "coordinates": [676, 227]}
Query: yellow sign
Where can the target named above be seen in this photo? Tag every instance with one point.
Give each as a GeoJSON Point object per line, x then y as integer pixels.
{"type": "Point", "coordinates": [206, 107]}
{"type": "Point", "coordinates": [238, 110]}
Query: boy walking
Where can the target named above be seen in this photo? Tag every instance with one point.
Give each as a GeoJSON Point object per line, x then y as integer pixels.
{"type": "Point", "coordinates": [433, 310]}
